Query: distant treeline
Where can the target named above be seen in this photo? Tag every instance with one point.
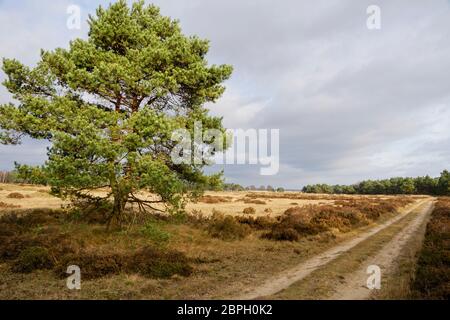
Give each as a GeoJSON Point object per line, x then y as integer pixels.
{"type": "Point", "coordinates": [419, 185]}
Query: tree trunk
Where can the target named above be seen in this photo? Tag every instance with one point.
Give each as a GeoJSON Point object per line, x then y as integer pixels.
{"type": "Point", "coordinates": [120, 201]}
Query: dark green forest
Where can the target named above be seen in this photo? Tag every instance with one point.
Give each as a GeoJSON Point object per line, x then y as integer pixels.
{"type": "Point", "coordinates": [419, 185]}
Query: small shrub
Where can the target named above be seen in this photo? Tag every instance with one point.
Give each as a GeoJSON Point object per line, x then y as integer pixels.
{"type": "Point", "coordinates": [282, 234]}
{"type": "Point", "coordinates": [32, 258]}
{"type": "Point", "coordinates": [155, 263]}
{"type": "Point", "coordinates": [293, 224]}
{"type": "Point", "coordinates": [301, 213]}
{"type": "Point", "coordinates": [15, 195]}
{"type": "Point", "coordinates": [92, 265]}
{"type": "Point", "coordinates": [196, 218]}
{"type": "Point", "coordinates": [152, 231]}
{"type": "Point", "coordinates": [300, 224]}
{"type": "Point", "coordinates": [150, 262]}
{"type": "Point", "coordinates": [12, 244]}
{"type": "Point", "coordinates": [8, 206]}
{"type": "Point", "coordinates": [343, 219]}
{"type": "Point", "coordinates": [249, 210]}
{"type": "Point", "coordinates": [258, 223]}
{"type": "Point", "coordinates": [345, 215]}
{"type": "Point", "coordinates": [226, 228]}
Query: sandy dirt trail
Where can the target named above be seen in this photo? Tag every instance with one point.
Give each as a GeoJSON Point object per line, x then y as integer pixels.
{"type": "Point", "coordinates": [355, 286]}
{"type": "Point", "coordinates": [287, 278]}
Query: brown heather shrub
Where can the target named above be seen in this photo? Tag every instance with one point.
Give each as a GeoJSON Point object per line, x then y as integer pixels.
{"type": "Point", "coordinates": [249, 210]}
{"type": "Point", "coordinates": [15, 195]}
{"type": "Point", "coordinates": [196, 218]}
{"type": "Point", "coordinates": [7, 230]}
{"type": "Point", "coordinates": [374, 208]}
{"type": "Point", "coordinates": [268, 210]}
{"type": "Point", "coordinates": [299, 223]}
{"type": "Point", "coordinates": [8, 206]}
{"type": "Point", "coordinates": [32, 218]}
{"type": "Point", "coordinates": [32, 258]}
{"type": "Point", "coordinates": [12, 245]}
{"type": "Point", "coordinates": [155, 263]}
{"type": "Point", "coordinates": [57, 253]}
{"type": "Point", "coordinates": [149, 261]}
{"type": "Point", "coordinates": [304, 214]}
{"type": "Point", "coordinates": [93, 265]}
{"type": "Point", "coordinates": [213, 199]}
{"type": "Point", "coordinates": [258, 223]}
{"type": "Point", "coordinates": [344, 218]}
{"type": "Point", "coordinates": [254, 201]}
{"type": "Point", "coordinates": [226, 227]}
{"type": "Point", "coordinates": [293, 224]}
{"type": "Point", "coordinates": [432, 278]}
{"type": "Point", "coordinates": [282, 234]}
{"type": "Point", "coordinates": [27, 250]}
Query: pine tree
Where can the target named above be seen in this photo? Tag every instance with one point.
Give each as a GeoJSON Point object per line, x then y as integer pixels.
{"type": "Point", "coordinates": [109, 105]}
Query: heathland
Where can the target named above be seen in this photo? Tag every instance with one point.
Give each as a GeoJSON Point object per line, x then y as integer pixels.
{"type": "Point", "coordinates": [227, 245]}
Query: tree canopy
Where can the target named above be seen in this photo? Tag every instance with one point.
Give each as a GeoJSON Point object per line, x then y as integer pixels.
{"type": "Point", "coordinates": [109, 105]}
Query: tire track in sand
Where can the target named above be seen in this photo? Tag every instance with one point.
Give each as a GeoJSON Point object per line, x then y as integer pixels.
{"type": "Point", "coordinates": [355, 287]}
{"type": "Point", "coordinates": [285, 279]}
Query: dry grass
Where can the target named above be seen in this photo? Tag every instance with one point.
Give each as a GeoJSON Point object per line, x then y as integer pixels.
{"type": "Point", "coordinates": [34, 197]}
{"type": "Point", "coordinates": [15, 195]}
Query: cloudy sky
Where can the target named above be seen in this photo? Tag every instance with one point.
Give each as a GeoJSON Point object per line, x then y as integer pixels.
{"type": "Point", "coordinates": [351, 103]}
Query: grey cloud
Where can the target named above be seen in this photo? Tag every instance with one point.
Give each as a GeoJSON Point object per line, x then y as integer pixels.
{"type": "Point", "coordinates": [350, 103]}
